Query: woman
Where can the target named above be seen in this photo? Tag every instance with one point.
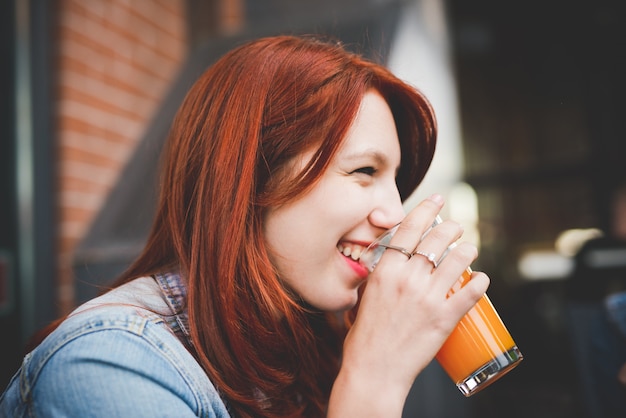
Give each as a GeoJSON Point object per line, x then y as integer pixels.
{"type": "Point", "coordinates": [286, 159]}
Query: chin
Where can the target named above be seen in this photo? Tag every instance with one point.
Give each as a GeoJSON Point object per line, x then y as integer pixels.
{"type": "Point", "coordinates": [333, 298]}
{"type": "Point", "coordinates": [341, 305]}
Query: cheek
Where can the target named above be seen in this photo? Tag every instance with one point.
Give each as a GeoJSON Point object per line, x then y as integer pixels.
{"type": "Point", "coordinates": [296, 262]}
{"type": "Point", "coordinates": [288, 233]}
{"type": "Point", "coordinates": [355, 202]}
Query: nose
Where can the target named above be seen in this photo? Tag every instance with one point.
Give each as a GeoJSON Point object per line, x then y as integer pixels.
{"type": "Point", "coordinates": [388, 211]}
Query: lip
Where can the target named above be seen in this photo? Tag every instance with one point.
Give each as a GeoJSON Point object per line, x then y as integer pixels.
{"type": "Point", "coordinates": [356, 266]}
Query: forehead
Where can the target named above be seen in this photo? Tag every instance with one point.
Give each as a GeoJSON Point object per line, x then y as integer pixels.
{"type": "Point", "coordinates": [371, 139]}
{"type": "Point", "coordinates": [373, 132]}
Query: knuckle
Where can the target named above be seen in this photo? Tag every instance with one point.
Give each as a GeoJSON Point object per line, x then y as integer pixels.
{"type": "Point", "coordinates": [408, 224]}
{"type": "Point", "coordinates": [448, 230]}
{"type": "Point", "coordinates": [468, 251]}
{"type": "Point", "coordinates": [478, 285]}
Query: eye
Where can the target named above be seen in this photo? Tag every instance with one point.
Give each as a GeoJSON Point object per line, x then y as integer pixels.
{"type": "Point", "coordinates": [370, 171]}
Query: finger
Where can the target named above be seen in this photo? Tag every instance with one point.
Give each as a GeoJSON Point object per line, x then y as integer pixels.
{"type": "Point", "coordinates": [465, 298]}
{"type": "Point", "coordinates": [454, 265]}
{"type": "Point", "coordinates": [413, 226]}
{"type": "Point", "coordinates": [437, 243]}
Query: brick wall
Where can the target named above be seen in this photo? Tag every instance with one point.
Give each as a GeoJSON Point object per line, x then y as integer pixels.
{"type": "Point", "coordinates": [116, 61]}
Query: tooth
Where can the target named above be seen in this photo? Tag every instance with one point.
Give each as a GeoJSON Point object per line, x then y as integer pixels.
{"type": "Point", "coordinates": [347, 251]}
{"type": "Point", "coordinates": [340, 248]}
{"type": "Point", "coordinates": [356, 254]}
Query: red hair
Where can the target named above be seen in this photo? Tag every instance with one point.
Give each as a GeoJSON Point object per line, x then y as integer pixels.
{"type": "Point", "coordinates": [240, 125]}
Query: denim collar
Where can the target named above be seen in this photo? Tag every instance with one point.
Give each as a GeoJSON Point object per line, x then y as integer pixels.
{"type": "Point", "coordinates": [174, 289]}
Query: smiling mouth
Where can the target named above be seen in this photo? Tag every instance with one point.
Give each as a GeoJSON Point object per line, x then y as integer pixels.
{"type": "Point", "coordinates": [351, 250]}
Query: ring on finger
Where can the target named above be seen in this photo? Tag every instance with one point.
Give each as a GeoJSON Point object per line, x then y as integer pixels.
{"type": "Point", "coordinates": [432, 257]}
{"type": "Point", "coordinates": [400, 249]}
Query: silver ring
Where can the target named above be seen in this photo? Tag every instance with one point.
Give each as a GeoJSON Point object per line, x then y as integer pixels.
{"type": "Point", "coordinates": [429, 256]}
{"type": "Point", "coordinates": [402, 250]}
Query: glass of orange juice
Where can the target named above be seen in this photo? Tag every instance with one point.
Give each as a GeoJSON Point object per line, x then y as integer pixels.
{"type": "Point", "coordinates": [480, 349]}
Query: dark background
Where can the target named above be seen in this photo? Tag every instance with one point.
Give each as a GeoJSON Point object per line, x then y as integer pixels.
{"type": "Point", "coordinates": [541, 94]}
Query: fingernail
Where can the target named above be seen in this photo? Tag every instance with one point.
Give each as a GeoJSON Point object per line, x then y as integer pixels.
{"type": "Point", "coordinates": [437, 198]}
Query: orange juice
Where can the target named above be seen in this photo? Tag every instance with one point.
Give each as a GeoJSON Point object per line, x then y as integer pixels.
{"type": "Point", "coordinates": [478, 344]}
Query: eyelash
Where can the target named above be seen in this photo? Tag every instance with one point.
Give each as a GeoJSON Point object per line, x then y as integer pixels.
{"type": "Point", "coordinates": [369, 171]}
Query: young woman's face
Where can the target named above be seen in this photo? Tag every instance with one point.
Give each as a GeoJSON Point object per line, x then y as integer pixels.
{"type": "Point", "coordinates": [315, 240]}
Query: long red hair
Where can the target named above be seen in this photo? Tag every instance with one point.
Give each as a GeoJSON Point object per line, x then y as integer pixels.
{"type": "Point", "coordinates": [245, 118]}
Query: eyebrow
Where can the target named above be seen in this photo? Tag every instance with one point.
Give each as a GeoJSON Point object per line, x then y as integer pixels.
{"type": "Point", "coordinates": [378, 157]}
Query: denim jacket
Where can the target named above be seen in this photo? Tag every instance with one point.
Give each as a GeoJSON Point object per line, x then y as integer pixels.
{"type": "Point", "coordinates": [122, 354]}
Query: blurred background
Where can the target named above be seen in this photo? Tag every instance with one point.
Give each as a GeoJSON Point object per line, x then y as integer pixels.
{"type": "Point", "coordinates": [530, 102]}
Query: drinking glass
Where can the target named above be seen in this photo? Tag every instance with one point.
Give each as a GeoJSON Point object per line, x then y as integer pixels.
{"type": "Point", "coordinates": [480, 349]}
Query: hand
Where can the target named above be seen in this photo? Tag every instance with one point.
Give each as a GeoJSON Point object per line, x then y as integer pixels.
{"type": "Point", "coordinates": [404, 315]}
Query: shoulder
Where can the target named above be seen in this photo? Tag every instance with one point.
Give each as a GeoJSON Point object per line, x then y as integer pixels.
{"type": "Point", "coordinates": [122, 358]}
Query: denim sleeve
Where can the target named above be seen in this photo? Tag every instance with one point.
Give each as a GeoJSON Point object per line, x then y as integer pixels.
{"type": "Point", "coordinates": [127, 367]}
